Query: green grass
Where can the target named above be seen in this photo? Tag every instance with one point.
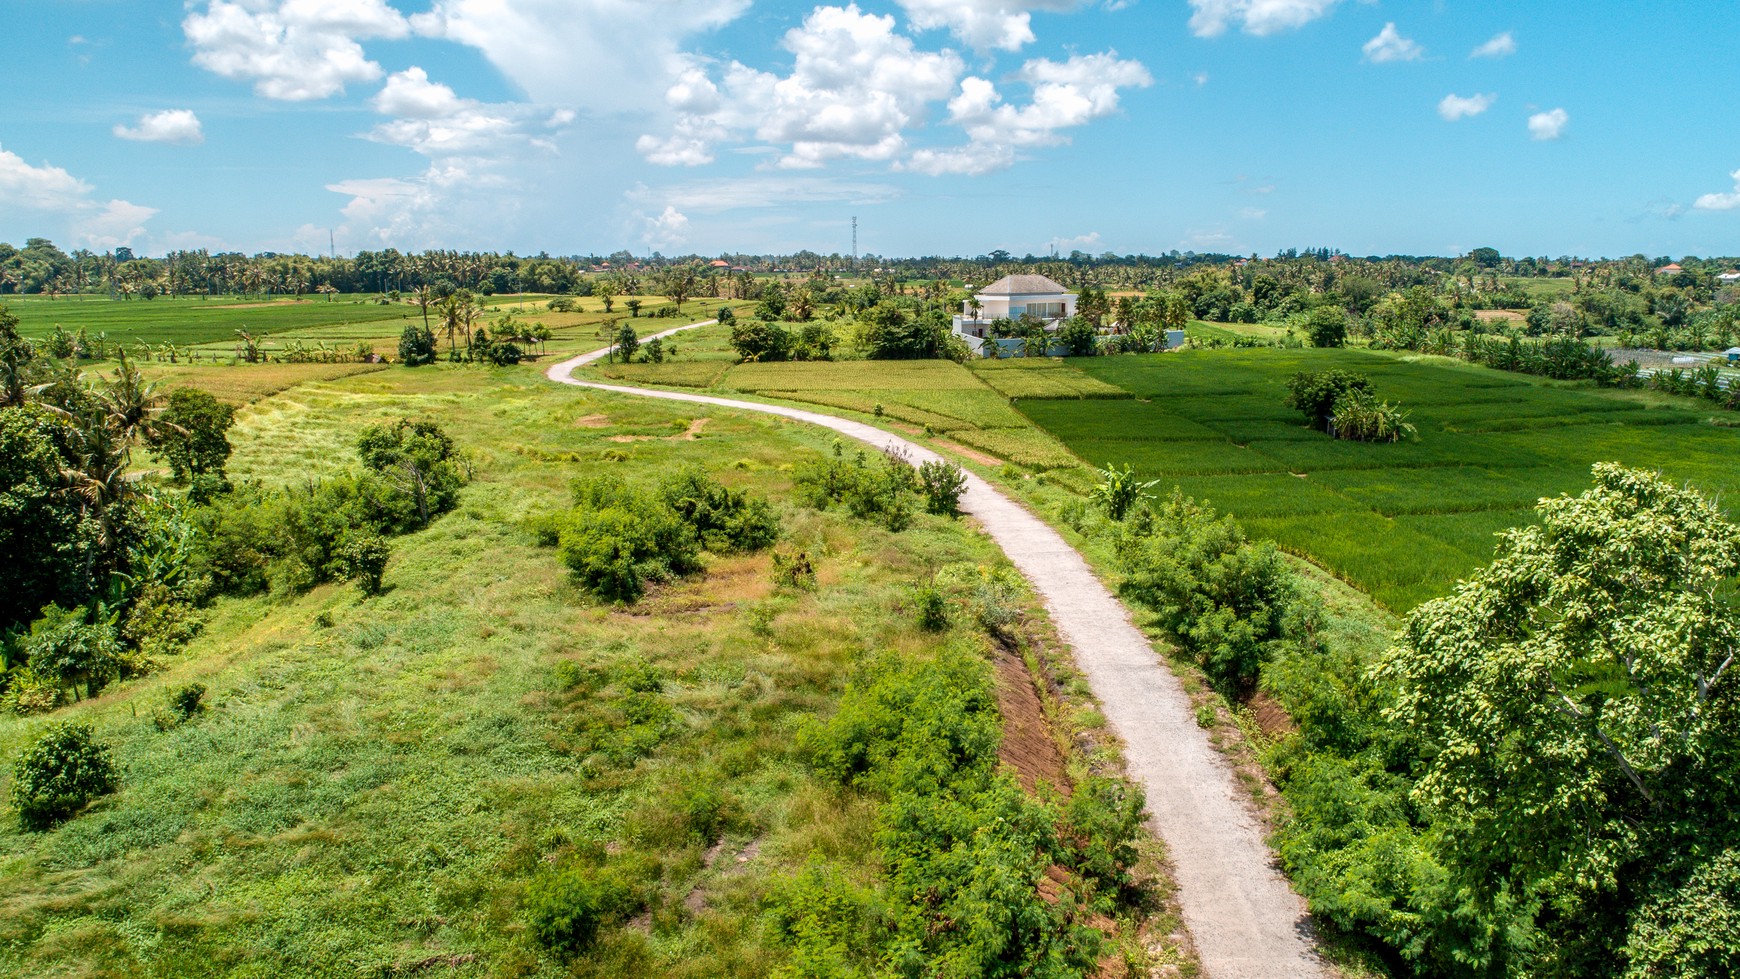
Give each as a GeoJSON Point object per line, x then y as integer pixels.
{"type": "Point", "coordinates": [199, 321]}
{"type": "Point", "coordinates": [372, 796]}
{"type": "Point", "coordinates": [1402, 521]}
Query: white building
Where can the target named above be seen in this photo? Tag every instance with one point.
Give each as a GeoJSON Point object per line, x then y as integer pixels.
{"type": "Point", "coordinates": [1729, 278]}
{"type": "Point", "coordinates": [1015, 297]}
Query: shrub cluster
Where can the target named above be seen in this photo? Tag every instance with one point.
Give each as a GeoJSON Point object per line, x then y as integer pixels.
{"type": "Point", "coordinates": [763, 342]}
{"type": "Point", "coordinates": [1342, 403]}
{"type": "Point", "coordinates": [59, 773]}
{"type": "Point", "coordinates": [617, 537]}
{"type": "Point", "coordinates": [1230, 602]}
{"type": "Point", "coordinates": [966, 849]}
{"type": "Point", "coordinates": [882, 491]}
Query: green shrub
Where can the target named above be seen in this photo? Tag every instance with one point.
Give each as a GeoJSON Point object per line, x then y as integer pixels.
{"type": "Point", "coordinates": [758, 341]}
{"type": "Point", "coordinates": [180, 706]}
{"type": "Point", "coordinates": [1361, 417]}
{"type": "Point", "coordinates": [1118, 491]}
{"type": "Point", "coordinates": [192, 434]}
{"type": "Point", "coordinates": [931, 608]}
{"type": "Point", "coordinates": [362, 558]}
{"type": "Point", "coordinates": [565, 908]}
{"type": "Point", "coordinates": [1227, 600]}
{"type": "Point", "coordinates": [65, 646]}
{"type": "Point", "coordinates": [1079, 337]}
{"type": "Point", "coordinates": [613, 552]}
{"type": "Point", "coordinates": [1327, 326]}
{"type": "Point", "coordinates": [882, 492]}
{"type": "Point", "coordinates": [1314, 393]}
{"type": "Point", "coordinates": [59, 773]}
{"type": "Point", "coordinates": [793, 570]}
{"type": "Point", "coordinates": [416, 346]}
{"type": "Point", "coordinates": [942, 484]}
{"type": "Point", "coordinates": [725, 520]}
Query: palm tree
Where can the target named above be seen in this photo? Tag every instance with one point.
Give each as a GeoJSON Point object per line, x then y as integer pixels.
{"type": "Point", "coordinates": [130, 404]}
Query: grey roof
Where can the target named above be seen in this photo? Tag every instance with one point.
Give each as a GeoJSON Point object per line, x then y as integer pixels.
{"type": "Point", "coordinates": [1022, 285]}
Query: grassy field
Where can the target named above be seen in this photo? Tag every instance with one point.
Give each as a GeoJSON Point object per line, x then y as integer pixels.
{"type": "Point", "coordinates": [202, 321]}
{"type": "Point", "coordinates": [1401, 521]}
{"type": "Point", "coordinates": [378, 780]}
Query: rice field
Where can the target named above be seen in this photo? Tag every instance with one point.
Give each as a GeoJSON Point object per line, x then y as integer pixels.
{"type": "Point", "coordinates": [198, 321]}
{"type": "Point", "coordinates": [1404, 521]}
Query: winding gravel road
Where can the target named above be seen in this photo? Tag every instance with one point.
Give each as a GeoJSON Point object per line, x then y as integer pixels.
{"type": "Point", "coordinates": [1244, 919]}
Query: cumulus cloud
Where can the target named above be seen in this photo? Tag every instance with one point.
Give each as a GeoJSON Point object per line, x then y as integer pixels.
{"type": "Point", "coordinates": [51, 190]}
{"type": "Point", "coordinates": [855, 86]}
{"type": "Point", "coordinates": [1721, 202]}
{"type": "Point", "coordinates": [602, 55]}
{"type": "Point", "coordinates": [1548, 125]}
{"type": "Point", "coordinates": [1455, 107]}
{"type": "Point", "coordinates": [665, 229]}
{"type": "Point", "coordinates": [294, 50]}
{"type": "Point", "coordinates": [1500, 46]}
{"type": "Point", "coordinates": [178, 126]}
{"type": "Point", "coordinates": [1390, 45]}
{"type": "Point", "coordinates": [763, 191]}
{"type": "Point", "coordinates": [1005, 25]}
{"type": "Point", "coordinates": [1211, 18]}
{"type": "Point", "coordinates": [433, 120]}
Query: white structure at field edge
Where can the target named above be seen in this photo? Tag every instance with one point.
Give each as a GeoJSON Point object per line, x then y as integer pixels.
{"type": "Point", "coordinates": [1016, 297]}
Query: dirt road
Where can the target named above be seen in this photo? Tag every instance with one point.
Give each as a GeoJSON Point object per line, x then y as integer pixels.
{"type": "Point", "coordinates": [1245, 920]}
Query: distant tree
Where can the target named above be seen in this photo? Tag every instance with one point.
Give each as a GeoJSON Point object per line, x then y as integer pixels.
{"type": "Point", "coordinates": [1327, 326]}
{"type": "Point", "coordinates": [419, 460]}
{"type": "Point", "coordinates": [627, 342]}
{"type": "Point", "coordinates": [760, 341]}
{"type": "Point", "coordinates": [1486, 257]}
{"type": "Point", "coordinates": [1314, 393]}
{"type": "Point", "coordinates": [194, 437]}
{"type": "Point", "coordinates": [416, 346]}
{"type": "Point", "coordinates": [633, 307]}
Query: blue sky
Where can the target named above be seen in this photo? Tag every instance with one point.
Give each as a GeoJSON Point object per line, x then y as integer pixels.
{"type": "Point", "coordinates": [945, 126]}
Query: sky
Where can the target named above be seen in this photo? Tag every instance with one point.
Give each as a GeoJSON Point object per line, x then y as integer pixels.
{"type": "Point", "coordinates": [946, 127]}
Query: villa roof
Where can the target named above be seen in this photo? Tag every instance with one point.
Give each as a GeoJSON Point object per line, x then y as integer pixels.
{"type": "Point", "coordinates": [1670, 268]}
{"type": "Point", "coordinates": [1023, 285]}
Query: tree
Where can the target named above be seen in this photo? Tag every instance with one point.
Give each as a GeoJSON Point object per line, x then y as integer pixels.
{"type": "Point", "coordinates": [760, 341]}
{"type": "Point", "coordinates": [59, 773]}
{"type": "Point", "coordinates": [1579, 716]}
{"type": "Point", "coordinates": [43, 531]}
{"type": "Point", "coordinates": [607, 291]}
{"type": "Point", "coordinates": [633, 307]}
{"type": "Point", "coordinates": [416, 346]}
{"type": "Point", "coordinates": [1327, 326]}
{"type": "Point", "coordinates": [1079, 336]}
{"type": "Point", "coordinates": [627, 342]}
{"type": "Point", "coordinates": [420, 460]}
{"type": "Point", "coordinates": [65, 647]}
{"type": "Point", "coordinates": [1314, 393]}
{"type": "Point", "coordinates": [194, 438]}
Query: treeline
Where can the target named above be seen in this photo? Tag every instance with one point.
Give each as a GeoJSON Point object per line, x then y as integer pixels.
{"type": "Point", "coordinates": [1541, 775]}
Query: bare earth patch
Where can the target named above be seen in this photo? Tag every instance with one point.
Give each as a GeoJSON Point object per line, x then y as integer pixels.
{"type": "Point", "coordinates": [979, 457]}
{"type": "Point", "coordinates": [1027, 746]}
{"type": "Point", "coordinates": [593, 421]}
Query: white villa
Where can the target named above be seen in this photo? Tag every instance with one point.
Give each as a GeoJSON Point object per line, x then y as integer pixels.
{"type": "Point", "coordinates": [1730, 277]}
{"type": "Point", "coordinates": [1015, 297]}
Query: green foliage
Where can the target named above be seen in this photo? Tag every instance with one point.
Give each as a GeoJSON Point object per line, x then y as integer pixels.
{"type": "Point", "coordinates": [71, 647]}
{"type": "Point", "coordinates": [1119, 491]}
{"type": "Point", "coordinates": [51, 543]}
{"type": "Point", "coordinates": [1230, 602]}
{"type": "Point", "coordinates": [1576, 714]}
{"type": "Point", "coordinates": [883, 492]}
{"type": "Point", "coordinates": [417, 346]}
{"type": "Point", "coordinates": [627, 342]}
{"type": "Point", "coordinates": [1690, 928]}
{"type": "Point", "coordinates": [418, 459]}
{"type": "Point", "coordinates": [193, 436]}
{"type": "Point", "coordinates": [942, 484]}
{"type": "Point", "coordinates": [759, 341]}
{"type": "Point", "coordinates": [792, 569]}
{"type": "Point", "coordinates": [1079, 336]}
{"type": "Point", "coordinates": [181, 705]}
{"type": "Point", "coordinates": [362, 557]}
{"type": "Point", "coordinates": [564, 908]}
{"type": "Point", "coordinates": [1314, 393]}
{"type": "Point", "coordinates": [1361, 417]}
{"type": "Point", "coordinates": [930, 607]}
{"type": "Point", "coordinates": [59, 773]}
{"type": "Point", "coordinates": [1327, 326]}
{"type": "Point", "coordinates": [725, 520]}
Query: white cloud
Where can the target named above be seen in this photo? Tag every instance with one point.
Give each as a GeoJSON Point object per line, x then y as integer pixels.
{"type": "Point", "coordinates": [51, 190]}
{"type": "Point", "coordinates": [984, 24]}
{"type": "Point", "coordinates": [663, 230]}
{"type": "Point", "coordinates": [1080, 243]}
{"type": "Point", "coordinates": [436, 122]}
{"type": "Point", "coordinates": [1721, 202]}
{"type": "Point", "coordinates": [1454, 107]}
{"type": "Point", "coordinates": [1211, 18]}
{"type": "Point", "coordinates": [293, 50]}
{"type": "Point", "coordinates": [855, 86]}
{"type": "Point", "coordinates": [968, 161]}
{"type": "Point", "coordinates": [1253, 214]}
{"type": "Point", "coordinates": [1390, 45]}
{"type": "Point", "coordinates": [1548, 125]}
{"type": "Point", "coordinates": [602, 55]}
{"type": "Point", "coordinates": [1500, 46]}
{"type": "Point", "coordinates": [759, 192]}
{"type": "Point", "coordinates": [1065, 94]}
{"type": "Point", "coordinates": [179, 126]}
{"type": "Point", "coordinates": [1200, 78]}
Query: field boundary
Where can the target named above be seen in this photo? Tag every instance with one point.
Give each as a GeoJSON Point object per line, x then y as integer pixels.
{"type": "Point", "coordinates": [1245, 920]}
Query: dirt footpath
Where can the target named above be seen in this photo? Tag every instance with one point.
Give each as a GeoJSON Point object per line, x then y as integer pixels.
{"type": "Point", "coordinates": [1245, 920]}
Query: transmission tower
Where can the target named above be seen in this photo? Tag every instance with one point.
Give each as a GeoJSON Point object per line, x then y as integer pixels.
{"type": "Point", "coordinates": [854, 240]}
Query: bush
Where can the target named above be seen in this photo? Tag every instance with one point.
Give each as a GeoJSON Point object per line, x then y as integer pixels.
{"type": "Point", "coordinates": [362, 557]}
{"type": "Point", "coordinates": [1314, 393]}
{"type": "Point", "coordinates": [1079, 337]}
{"type": "Point", "coordinates": [930, 608]}
{"type": "Point", "coordinates": [1228, 601]}
{"type": "Point", "coordinates": [760, 341]}
{"type": "Point", "coordinates": [627, 342]}
{"type": "Point", "coordinates": [180, 706]}
{"type": "Point", "coordinates": [725, 520]}
{"type": "Point", "coordinates": [565, 908]}
{"type": "Point", "coordinates": [883, 492]}
{"type": "Point", "coordinates": [417, 346]}
{"type": "Point", "coordinates": [942, 484]}
{"type": "Point", "coordinates": [193, 437]}
{"type": "Point", "coordinates": [1327, 326]}
{"type": "Point", "coordinates": [66, 648]}
{"type": "Point", "coordinates": [59, 773]}
{"type": "Point", "coordinates": [1361, 417]}
{"type": "Point", "coordinates": [793, 570]}
{"type": "Point", "coordinates": [614, 551]}
{"type": "Point", "coordinates": [1118, 491]}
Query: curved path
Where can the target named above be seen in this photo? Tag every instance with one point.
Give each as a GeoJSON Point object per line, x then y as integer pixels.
{"type": "Point", "coordinates": [1246, 922]}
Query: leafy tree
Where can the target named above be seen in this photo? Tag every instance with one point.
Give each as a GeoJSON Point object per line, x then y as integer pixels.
{"type": "Point", "coordinates": [1314, 393]}
{"type": "Point", "coordinates": [419, 460]}
{"type": "Point", "coordinates": [59, 773]}
{"type": "Point", "coordinates": [627, 342]}
{"type": "Point", "coordinates": [416, 346]}
{"type": "Point", "coordinates": [65, 647]}
{"type": "Point", "coordinates": [362, 558]}
{"type": "Point", "coordinates": [194, 437]}
{"type": "Point", "coordinates": [50, 547]}
{"type": "Point", "coordinates": [942, 484]}
{"type": "Point", "coordinates": [1080, 337]}
{"type": "Point", "coordinates": [633, 307]}
{"type": "Point", "coordinates": [1580, 721]}
{"type": "Point", "coordinates": [1327, 326]}
{"type": "Point", "coordinates": [760, 341]}
{"type": "Point", "coordinates": [1118, 491]}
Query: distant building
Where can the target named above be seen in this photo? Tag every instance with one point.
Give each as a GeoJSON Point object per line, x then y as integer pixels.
{"type": "Point", "coordinates": [1015, 297]}
{"type": "Point", "coordinates": [1669, 270]}
{"type": "Point", "coordinates": [1729, 278]}
{"type": "Point", "coordinates": [1733, 355]}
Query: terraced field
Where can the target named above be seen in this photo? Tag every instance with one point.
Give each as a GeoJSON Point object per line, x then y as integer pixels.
{"type": "Point", "coordinates": [1401, 521]}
